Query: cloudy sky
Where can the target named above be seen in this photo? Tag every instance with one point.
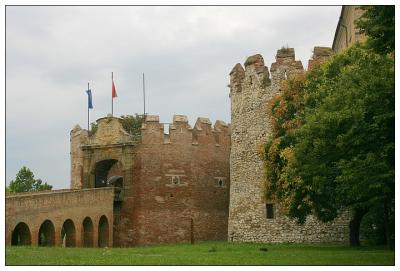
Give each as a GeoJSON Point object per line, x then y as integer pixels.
{"type": "Point", "coordinates": [186, 54]}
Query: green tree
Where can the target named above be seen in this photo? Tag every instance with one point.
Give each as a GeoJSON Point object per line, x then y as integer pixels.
{"type": "Point", "coordinates": [333, 140]}
{"type": "Point", "coordinates": [132, 124]}
{"type": "Point", "coordinates": [25, 182]}
{"type": "Point", "coordinates": [377, 23]}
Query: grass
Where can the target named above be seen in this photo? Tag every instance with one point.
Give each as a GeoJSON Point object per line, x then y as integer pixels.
{"type": "Point", "coordinates": [203, 253]}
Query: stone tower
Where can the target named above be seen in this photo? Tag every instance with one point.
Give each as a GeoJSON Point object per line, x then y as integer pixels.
{"type": "Point", "coordinates": [251, 217]}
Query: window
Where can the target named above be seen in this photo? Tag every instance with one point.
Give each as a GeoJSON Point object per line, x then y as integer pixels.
{"type": "Point", "coordinates": [270, 210]}
{"type": "Point", "coordinates": [175, 180]}
{"type": "Point", "coordinates": [219, 182]}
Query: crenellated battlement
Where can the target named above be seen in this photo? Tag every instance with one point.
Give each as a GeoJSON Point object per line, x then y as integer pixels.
{"type": "Point", "coordinates": [320, 54]}
{"type": "Point", "coordinates": [255, 75]}
{"type": "Point", "coordinates": [256, 72]}
{"type": "Point", "coordinates": [181, 132]}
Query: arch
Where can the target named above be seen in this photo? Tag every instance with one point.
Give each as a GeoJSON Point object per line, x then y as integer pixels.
{"type": "Point", "coordinates": [116, 181]}
{"type": "Point", "coordinates": [87, 232]}
{"type": "Point", "coordinates": [68, 233]}
{"type": "Point", "coordinates": [103, 232]}
{"type": "Point", "coordinates": [102, 169]}
{"type": "Point", "coordinates": [21, 235]}
{"type": "Point", "coordinates": [46, 235]}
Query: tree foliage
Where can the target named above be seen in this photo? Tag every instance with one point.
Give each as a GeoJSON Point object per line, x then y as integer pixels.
{"type": "Point", "coordinates": [377, 23]}
{"type": "Point", "coordinates": [25, 182]}
{"type": "Point", "coordinates": [93, 128]}
{"type": "Point", "coordinates": [332, 145]}
{"type": "Point", "coordinates": [132, 124]}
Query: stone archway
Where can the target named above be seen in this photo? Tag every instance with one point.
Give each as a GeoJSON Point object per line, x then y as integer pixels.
{"type": "Point", "coordinates": [103, 232]}
{"type": "Point", "coordinates": [21, 235]}
{"type": "Point", "coordinates": [68, 233]}
{"type": "Point", "coordinates": [104, 169]}
{"type": "Point", "coordinates": [46, 234]}
{"type": "Point", "coordinates": [87, 232]}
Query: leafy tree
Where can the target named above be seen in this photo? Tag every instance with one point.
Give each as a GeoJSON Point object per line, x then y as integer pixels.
{"type": "Point", "coordinates": [333, 140]}
{"type": "Point", "coordinates": [25, 182]}
{"type": "Point", "coordinates": [132, 124]}
{"type": "Point", "coordinates": [377, 23]}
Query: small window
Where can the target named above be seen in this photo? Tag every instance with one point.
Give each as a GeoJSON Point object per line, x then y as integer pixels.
{"type": "Point", "coordinates": [270, 210]}
{"type": "Point", "coordinates": [175, 180]}
{"type": "Point", "coordinates": [219, 182]}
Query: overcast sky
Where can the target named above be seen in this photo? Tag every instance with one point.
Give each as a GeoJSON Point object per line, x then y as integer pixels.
{"type": "Point", "coordinates": [186, 54]}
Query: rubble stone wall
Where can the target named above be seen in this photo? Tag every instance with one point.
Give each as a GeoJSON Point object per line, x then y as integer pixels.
{"type": "Point", "coordinates": [251, 89]}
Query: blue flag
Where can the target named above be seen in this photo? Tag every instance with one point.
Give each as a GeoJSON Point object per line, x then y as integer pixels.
{"type": "Point", "coordinates": [89, 93]}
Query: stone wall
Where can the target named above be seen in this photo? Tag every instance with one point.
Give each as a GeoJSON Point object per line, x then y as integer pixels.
{"type": "Point", "coordinates": [347, 32]}
{"type": "Point", "coordinates": [251, 89]}
{"type": "Point", "coordinates": [57, 206]}
{"type": "Point", "coordinates": [78, 136]}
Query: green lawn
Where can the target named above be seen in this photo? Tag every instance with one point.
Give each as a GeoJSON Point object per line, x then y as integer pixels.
{"type": "Point", "coordinates": [203, 253]}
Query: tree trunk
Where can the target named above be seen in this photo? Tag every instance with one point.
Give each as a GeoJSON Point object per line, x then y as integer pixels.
{"type": "Point", "coordinates": [355, 223]}
{"type": "Point", "coordinates": [387, 224]}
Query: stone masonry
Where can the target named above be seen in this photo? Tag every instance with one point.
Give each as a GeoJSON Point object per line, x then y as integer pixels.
{"type": "Point", "coordinates": [251, 89]}
{"type": "Point", "coordinates": [174, 186]}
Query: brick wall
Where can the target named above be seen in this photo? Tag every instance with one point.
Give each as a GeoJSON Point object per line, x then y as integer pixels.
{"type": "Point", "coordinates": [58, 206]}
{"type": "Point", "coordinates": [181, 176]}
{"type": "Point", "coordinates": [169, 181]}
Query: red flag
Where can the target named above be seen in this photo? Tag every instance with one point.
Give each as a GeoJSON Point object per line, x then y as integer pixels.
{"type": "Point", "coordinates": [114, 92]}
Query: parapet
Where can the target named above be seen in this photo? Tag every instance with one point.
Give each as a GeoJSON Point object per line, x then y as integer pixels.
{"type": "Point", "coordinates": [256, 72]}
{"type": "Point", "coordinates": [285, 65]}
{"type": "Point", "coordinates": [284, 54]}
{"type": "Point", "coordinates": [320, 54]}
{"type": "Point", "coordinates": [237, 75]}
{"type": "Point", "coordinates": [152, 118]}
{"type": "Point", "coordinates": [180, 132]}
{"type": "Point", "coordinates": [77, 131]}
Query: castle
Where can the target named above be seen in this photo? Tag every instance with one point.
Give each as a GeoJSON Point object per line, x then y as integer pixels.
{"type": "Point", "coordinates": [194, 183]}
{"type": "Point", "coordinates": [171, 187]}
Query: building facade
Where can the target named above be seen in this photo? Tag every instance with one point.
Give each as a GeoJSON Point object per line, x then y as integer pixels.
{"type": "Point", "coordinates": [172, 187]}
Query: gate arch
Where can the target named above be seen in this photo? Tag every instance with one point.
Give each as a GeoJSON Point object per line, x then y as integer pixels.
{"type": "Point", "coordinates": [21, 235]}
{"type": "Point", "coordinates": [68, 233]}
{"type": "Point", "coordinates": [103, 232]}
{"type": "Point", "coordinates": [46, 235]}
{"type": "Point", "coordinates": [104, 169]}
{"type": "Point", "coordinates": [87, 232]}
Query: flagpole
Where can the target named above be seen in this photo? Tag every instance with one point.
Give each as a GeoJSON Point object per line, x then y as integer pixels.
{"type": "Point", "coordinates": [88, 108]}
{"type": "Point", "coordinates": [112, 98]}
{"type": "Point", "coordinates": [144, 100]}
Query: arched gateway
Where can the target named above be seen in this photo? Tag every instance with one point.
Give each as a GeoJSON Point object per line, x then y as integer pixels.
{"type": "Point", "coordinates": [21, 235]}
